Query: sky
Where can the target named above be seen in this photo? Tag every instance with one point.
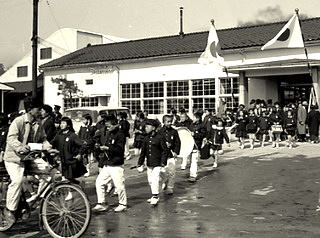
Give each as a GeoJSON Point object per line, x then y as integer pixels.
{"type": "Point", "coordinates": [131, 19]}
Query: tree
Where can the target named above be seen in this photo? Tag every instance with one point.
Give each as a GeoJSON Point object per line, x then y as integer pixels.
{"type": "Point", "coordinates": [68, 89]}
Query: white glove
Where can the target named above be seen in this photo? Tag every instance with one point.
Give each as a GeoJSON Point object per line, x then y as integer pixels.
{"type": "Point", "coordinates": [140, 169]}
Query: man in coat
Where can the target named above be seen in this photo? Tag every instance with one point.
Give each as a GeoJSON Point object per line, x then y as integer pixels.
{"type": "Point", "coordinates": [313, 121]}
{"type": "Point", "coordinates": [301, 121]}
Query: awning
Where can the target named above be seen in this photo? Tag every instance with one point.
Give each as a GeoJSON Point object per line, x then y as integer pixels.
{"type": "Point", "coordinates": [25, 86]}
{"type": "Point", "coordinates": [5, 87]}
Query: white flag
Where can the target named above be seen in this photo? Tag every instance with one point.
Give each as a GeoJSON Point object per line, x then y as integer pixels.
{"type": "Point", "coordinates": [290, 36]}
{"type": "Point", "coordinates": [211, 53]}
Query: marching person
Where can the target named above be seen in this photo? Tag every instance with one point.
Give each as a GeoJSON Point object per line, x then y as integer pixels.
{"type": "Point", "coordinates": [251, 127]}
{"type": "Point", "coordinates": [23, 130]}
{"type": "Point", "coordinates": [154, 149]}
{"type": "Point", "coordinates": [276, 128]}
{"type": "Point", "coordinates": [112, 145]}
{"type": "Point", "coordinates": [289, 125]}
{"type": "Point", "coordinates": [263, 127]}
{"type": "Point", "coordinates": [186, 122]}
{"type": "Point", "coordinates": [198, 132]}
{"type": "Point", "coordinates": [173, 144]}
{"type": "Point", "coordinates": [241, 132]}
{"type": "Point", "coordinates": [139, 132]}
{"type": "Point", "coordinates": [124, 126]}
{"type": "Point", "coordinates": [215, 137]}
{"type": "Point", "coordinates": [86, 134]}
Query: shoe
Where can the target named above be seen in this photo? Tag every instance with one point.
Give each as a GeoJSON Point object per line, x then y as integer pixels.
{"type": "Point", "coordinates": [32, 198]}
{"type": "Point", "coordinates": [120, 208]}
{"type": "Point", "coordinates": [69, 196]}
{"type": "Point", "coordinates": [169, 191]}
{"type": "Point", "coordinates": [251, 147]}
{"type": "Point", "coordinates": [277, 145]}
{"type": "Point", "coordinates": [290, 146]}
{"type": "Point", "coordinates": [183, 167]}
{"type": "Point", "coordinates": [242, 147]}
{"type": "Point", "coordinates": [262, 145]}
{"type": "Point", "coordinates": [100, 208]}
{"type": "Point", "coordinates": [154, 200]}
{"type": "Point", "coordinates": [273, 145]}
{"type": "Point", "coordinates": [318, 208]}
{"type": "Point", "coordinates": [149, 200]}
{"type": "Point", "coordinates": [215, 164]}
{"type": "Point", "coordinates": [192, 179]}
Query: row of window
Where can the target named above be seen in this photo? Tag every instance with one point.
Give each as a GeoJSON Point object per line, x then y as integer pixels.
{"type": "Point", "coordinates": [81, 102]}
{"type": "Point", "coordinates": [45, 53]}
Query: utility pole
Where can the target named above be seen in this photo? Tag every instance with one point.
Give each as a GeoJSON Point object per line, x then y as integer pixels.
{"type": "Point", "coordinates": [34, 40]}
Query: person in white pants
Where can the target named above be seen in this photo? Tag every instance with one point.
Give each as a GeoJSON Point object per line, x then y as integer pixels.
{"type": "Point", "coordinates": [153, 149]}
{"type": "Point", "coordinates": [173, 144]}
{"type": "Point", "coordinates": [112, 142]}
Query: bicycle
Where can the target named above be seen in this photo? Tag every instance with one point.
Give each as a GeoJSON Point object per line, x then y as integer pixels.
{"type": "Point", "coordinates": [61, 217]}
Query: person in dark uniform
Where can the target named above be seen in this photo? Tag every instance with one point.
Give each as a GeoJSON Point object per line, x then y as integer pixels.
{"type": "Point", "coordinates": [124, 126]}
{"type": "Point", "coordinates": [86, 134]}
{"type": "Point", "coordinates": [241, 132]}
{"type": "Point", "coordinates": [263, 127]}
{"type": "Point", "coordinates": [57, 113]}
{"type": "Point", "coordinates": [289, 126]}
{"type": "Point", "coordinates": [154, 149]}
{"type": "Point", "coordinates": [313, 122]}
{"type": "Point", "coordinates": [4, 127]}
{"type": "Point", "coordinates": [252, 127]}
{"type": "Point", "coordinates": [111, 144]}
{"type": "Point", "coordinates": [276, 127]}
{"type": "Point", "coordinates": [48, 122]}
{"type": "Point", "coordinates": [173, 148]}
{"type": "Point", "coordinates": [198, 132]}
{"type": "Point", "coordinates": [139, 132]}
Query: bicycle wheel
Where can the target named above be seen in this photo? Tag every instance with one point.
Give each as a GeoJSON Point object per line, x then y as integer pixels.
{"type": "Point", "coordinates": [66, 215]}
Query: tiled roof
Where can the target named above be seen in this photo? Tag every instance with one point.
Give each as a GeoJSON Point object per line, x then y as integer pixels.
{"type": "Point", "coordinates": [231, 38]}
{"type": "Point", "coordinates": [25, 86]}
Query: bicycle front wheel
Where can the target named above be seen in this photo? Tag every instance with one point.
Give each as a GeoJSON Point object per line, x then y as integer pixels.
{"type": "Point", "coordinates": [66, 211]}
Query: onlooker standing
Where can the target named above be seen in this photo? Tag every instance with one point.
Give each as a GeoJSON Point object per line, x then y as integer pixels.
{"type": "Point", "coordinates": [263, 127]}
{"type": "Point", "coordinates": [57, 113]}
{"type": "Point", "coordinates": [290, 125]}
{"type": "Point", "coordinates": [48, 122]}
{"type": "Point", "coordinates": [301, 121]}
{"type": "Point", "coordinates": [313, 121]}
{"type": "Point", "coordinates": [139, 132]}
{"type": "Point", "coordinates": [241, 132]}
{"type": "Point", "coordinates": [276, 128]}
{"type": "Point", "coordinates": [252, 127]}
{"type": "Point", "coordinates": [124, 126]}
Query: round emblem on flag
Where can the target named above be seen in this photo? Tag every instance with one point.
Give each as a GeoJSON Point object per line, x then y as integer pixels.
{"type": "Point", "coordinates": [285, 35]}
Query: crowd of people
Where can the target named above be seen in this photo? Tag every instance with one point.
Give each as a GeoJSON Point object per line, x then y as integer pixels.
{"type": "Point", "coordinates": [156, 143]}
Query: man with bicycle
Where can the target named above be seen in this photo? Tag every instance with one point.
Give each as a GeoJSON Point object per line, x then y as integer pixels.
{"type": "Point", "coordinates": [23, 130]}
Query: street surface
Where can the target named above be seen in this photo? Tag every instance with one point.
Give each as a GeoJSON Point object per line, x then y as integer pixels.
{"type": "Point", "coordinates": [263, 192]}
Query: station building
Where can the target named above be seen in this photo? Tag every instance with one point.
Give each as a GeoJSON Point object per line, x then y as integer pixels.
{"type": "Point", "coordinates": [157, 74]}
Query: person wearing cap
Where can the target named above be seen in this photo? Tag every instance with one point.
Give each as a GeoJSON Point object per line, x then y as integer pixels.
{"type": "Point", "coordinates": [57, 113]}
{"type": "Point", "coordinates": [23, 130]}
{"type": "Point", "coordinates": [154, 150]}
{"type": "Point", "coordinates": [111, 145]}
{"type": "Point", "coordinates": [173, 144]}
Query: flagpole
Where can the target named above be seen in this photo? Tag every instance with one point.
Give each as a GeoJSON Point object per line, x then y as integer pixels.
{"type": "Point", "coordinates": [304, 46]}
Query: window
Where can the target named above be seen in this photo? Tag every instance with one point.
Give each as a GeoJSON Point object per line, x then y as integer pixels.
{"type": "Point", "coordinates": [130, 90]}
{"type": "Point", "coordinates": [153, 106]}
{"type": "Point", "coordinates": [231, 102]}
{"type": "Point", "coordinates": [46, 53]}
{"type": "Point", "coordinates": [203, 103]}
{"type": "Point", "coordinates": [177, 88]}
{"type": "Point", "coordinates": [153, 90]}
{"type": "Point", "coordinates": [201, 87]}
{"type": "Point", "coordinates": [177, 104]}
{"type": "Point", "coordinates": [89, 81]}
{"type": "Point", "coordinates": [134, 105]}
{"type": "Point", "coordinates": [22, 71]}
{"type": "Point", "coordinates": [210, 103]}
{"type": "Point", "coordinates": [89, 102]}
{"type": "Point", "coordinates": [68, 103]}
{"type": "Point", "coordinates": [229, 86]}
{"type": "Point", "coordinates": [197, 104]}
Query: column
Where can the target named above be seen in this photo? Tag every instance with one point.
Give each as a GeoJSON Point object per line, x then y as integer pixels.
{"type": "Point", "coordinates": [243, 88]}
{"type": "Point", "coordinates": [316, 83]}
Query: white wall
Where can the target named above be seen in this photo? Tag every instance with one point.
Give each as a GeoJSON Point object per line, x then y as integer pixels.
{"type": "Point", "coordinates": [263, 88]}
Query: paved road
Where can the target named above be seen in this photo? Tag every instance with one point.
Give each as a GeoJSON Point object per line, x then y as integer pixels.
{"type": "Point", "coordinates": [263, 192]}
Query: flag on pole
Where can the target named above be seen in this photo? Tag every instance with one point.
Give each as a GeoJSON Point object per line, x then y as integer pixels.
{"type": "Point", "coordinates": [290, 36]}
{"type": "Point", "coordinates": [213, 49]}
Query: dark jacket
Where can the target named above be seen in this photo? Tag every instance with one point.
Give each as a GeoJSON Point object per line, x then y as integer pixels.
{"type": "Point", "coordinates": [153, 149]}
{"type": "Point", "coordinates": [3, 137]}
{"type": "Point", "coordinates": [172, 140]}
{"type": "Point", "coordinates": [124, 126]}
{"type": "Point", "coordinates": [290, 124]}
{"type": "Point", "coordinates": [187, 123]}
{"type": "Point", "coordinates": [199, 133]}
{"type": "Point", "coordinates": [49, 128]}
{"type": "Point", "coordinates": [264, 123]}
{"type": "Point", "coordinates": [216, 135]}
{"type": "Point", "coordinates": [86, 134]}
{"type": "Point", "coordinates": [116, 141]}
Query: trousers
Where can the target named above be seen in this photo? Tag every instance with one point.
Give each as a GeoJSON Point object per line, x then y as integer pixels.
{"type": "Point", "coordinates": [169, 176]}
{"type": "Point", "coordinates": [154, 179]}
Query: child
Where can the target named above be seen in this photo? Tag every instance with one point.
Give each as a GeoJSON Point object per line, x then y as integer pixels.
{"type": "Point", "coordinates": [173, 148]}
{"type": "Point", "coordinates": [86, 134]}
{"type": "Point", "coordinates": [215, 137]}
{"type": "Point", "coordinates": [154, 149]}
{"type": "Point", "coordinates": [276, 128]}
{"type": "Point", "coordinates": [139, 133]}
{"type": "Point", "coordinates": [251, 127]}
{"type": "Point", "coordinates": [241, 132]}
{"type": "Point", "coordinates": [290, 125]}
{"type": "Point", "coordinates": [263, 127]}
{"type": "Point", "coordinates": [124, 126]}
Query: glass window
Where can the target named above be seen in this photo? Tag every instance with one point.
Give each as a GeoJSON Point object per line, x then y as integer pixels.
{"type": "Point", "coordinates": [134, 105]}
{"type": "Point", "coordinates": [202, 87]}
{"type": "Point", "coordinates": [74, 102]}
{"type": "Point", "coordinates": [229, 85]}
{"type": "Point", "coordinates": [130, 90]}
{"type": "Point", "coordinates": [89, 81]}
{"type": "Point", "coordinates": [89, 102]}
{"type": "Point", "coordinates": [197, 104]}
{"type": "Point", "coordinates": [22, 71]}
{"type": "Point", "coordinates": [178, 104]}
{"type": "Point", "coordinates": [177, 88]}
{"type": "Point", "coordinates": [152, 90]}
{"type": "Point", "coordinates": [210, 103]}
{"type": "Point", "coordinates": [154, 106]}
{"type": "Point", "coordinates": [231, 102]}
{"type": "Point", "coordinates": [46, 53]}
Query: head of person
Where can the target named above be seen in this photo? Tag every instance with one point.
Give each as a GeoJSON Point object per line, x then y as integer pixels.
{"type": "Point", "coordinates": [277, 105]}
{"type": "Point", "coordinates": [167, 120]}
{"type": "Point", "coordinates": [208, 112]}
{"type": "Point", "coordinates": [198, 116]}
{"type": "Point", "coordinates": [46, 111]}
{"type": "Point", "coordinates": [251, 112]}
{"type": "Point", "coordinates": [219, 123]}
{"type": "Point", "coordinates": [289, 113]}
{"type": "Point", "coordinates": [183, 117]}
{"type": "Point", "coordinates": [57, 123]}
{"type": "Point", "coordinates": [87, 120]}
{"type": "Point", "coordinates": [141, 116]}
{"type": "Point", "coordinates": [111, 122]}
{"type": "Point", "coordinates": [101, 116]}
{"type": "Point", "coordinates": [305, 103]}
{"type": "Point", "coordinates": [241, 113]}
{"type": "Point", "coordinates": [123, 115]}
{"type": "Point", "coordinates": [32, 106]}
{"type": "Point", "coordinates": [151, 125]}
{"type": "Point", "coordinates": [173, 111]}
{"type": "Point", "coordinates": [241, 107]}
{"type": "Point", "coordinates": [66, 124]}
{"type": "Point", "coordinates": [4, 120]}
{"type": "Point", "coordinates": [56, 108]}
{"type": "Point", "coordinates": [264, 113]}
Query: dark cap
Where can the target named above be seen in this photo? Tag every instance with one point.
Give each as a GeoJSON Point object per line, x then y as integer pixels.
{"type": "Point", "coordinates": [152, 122]}
{"type": "Point", "coordinates": [57, 106]}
